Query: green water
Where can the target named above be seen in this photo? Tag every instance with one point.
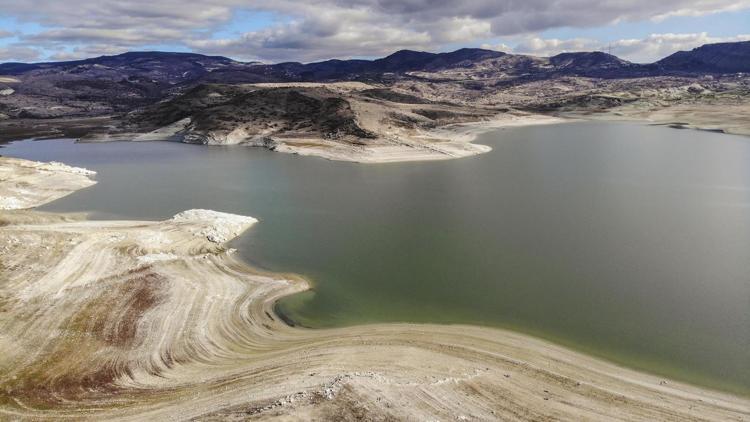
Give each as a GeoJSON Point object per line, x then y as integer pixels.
{"type": "Point", "coordinates": [626, 241]}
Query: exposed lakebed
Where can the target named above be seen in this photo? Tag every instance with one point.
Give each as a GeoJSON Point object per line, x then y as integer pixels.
{"type": "Point", "coordinates": [628, 241]}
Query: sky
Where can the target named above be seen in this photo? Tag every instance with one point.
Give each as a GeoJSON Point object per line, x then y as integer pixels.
{"type": "Point", "coordinates": [288, 30]}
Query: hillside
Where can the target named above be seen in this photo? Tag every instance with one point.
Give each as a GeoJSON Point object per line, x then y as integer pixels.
{"type": "Point", "coordinates": [710, 58]}
{"type": "Point", "coordinates": [348, 121]}
{"type": "Point", "coordinates": [115, 84]}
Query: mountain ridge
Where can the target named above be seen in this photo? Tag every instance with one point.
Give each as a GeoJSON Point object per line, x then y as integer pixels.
{"type": "Point", "coordinates": [713, 58]}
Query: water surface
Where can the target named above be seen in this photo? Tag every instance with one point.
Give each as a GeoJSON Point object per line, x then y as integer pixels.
{"type": "Point", "coordinates": [627, 241]}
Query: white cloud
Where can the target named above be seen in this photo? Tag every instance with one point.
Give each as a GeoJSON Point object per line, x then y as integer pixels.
{"type": "Point", "coordinates": [335, 33]}
{"type": "Point", "coordinates": [638, 50]}
{"type": "Point", "coordinates": [87, 51]}
{"type": "Point", "coordinates": [505, 48]}
{"type": "Point", "coordinates": [463, 29]}
{"type": "Point", "coordinates": [551, 46]}
{"type": "Point", "coordinates": [657, 46]}
{"type": "Point", "coordinates": [15, 53]}
{"type": "Point", "coordinates": [703, 7]}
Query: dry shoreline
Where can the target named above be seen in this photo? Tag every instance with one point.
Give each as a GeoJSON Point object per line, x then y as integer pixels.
{"type": "Point", "coordinates": [444, 142]}
{"type": "Point", "coordinates": [134, 320]}
{"type": "Point", "coordinates": [728, 119]}
{"type": "Point", "coordinates": [37, 183]}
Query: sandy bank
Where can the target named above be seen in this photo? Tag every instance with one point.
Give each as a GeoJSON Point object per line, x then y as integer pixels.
{"type": "Point", "coordinates": [140, 320]}
{"type": "Point", "coordinates": [26, 184]}
{"type": "Point", "coordinates": [393, 143]}
{"type": "Point", "coordinates": [725, 118]}
{"type": "Point", "coordinates": [404, 145]}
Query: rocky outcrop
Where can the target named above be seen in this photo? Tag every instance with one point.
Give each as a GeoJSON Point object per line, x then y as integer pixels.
{"type": "Point", "coordinates": [221, 114]}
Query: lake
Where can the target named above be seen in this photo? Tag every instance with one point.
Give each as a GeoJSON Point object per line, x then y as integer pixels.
{"type": "Point", "coordinates": [627, 241]}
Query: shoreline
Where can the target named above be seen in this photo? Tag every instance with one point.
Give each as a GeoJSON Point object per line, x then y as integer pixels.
{"type": "Point", "coordinates": [726, 119]}
{"type": "Point", "coordinates": [445, 142]}
{"type": "Point", "coordinates": [394, 145]}
{"type": "Point", "coordinates": [132, 320]}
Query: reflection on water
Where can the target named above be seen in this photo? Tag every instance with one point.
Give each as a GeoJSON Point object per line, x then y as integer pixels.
{"type": "Point", "coordinates": [627, 241]}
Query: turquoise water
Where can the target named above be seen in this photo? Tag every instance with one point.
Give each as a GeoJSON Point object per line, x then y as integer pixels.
{"type": "Point", "coordinates": [630, 242]}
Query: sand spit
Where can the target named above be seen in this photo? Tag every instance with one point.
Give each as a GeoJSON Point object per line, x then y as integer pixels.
{"type": "Point", "coordinates": [468, 132]}
{"type": "Point", "coordinates": [138, 320]}
{"type": "Point", "coordinates": [26, 184]}
{"type": "Point", "coordinates": [410, 144]}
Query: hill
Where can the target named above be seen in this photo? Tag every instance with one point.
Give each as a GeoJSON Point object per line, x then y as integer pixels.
{"type": "Point", "coordinates": [711, 58]}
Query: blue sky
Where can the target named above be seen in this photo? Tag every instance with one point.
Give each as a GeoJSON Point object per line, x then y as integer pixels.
{"type": "Point", "coordinates": [638, 30]}
{"type": "Point", "coordinates": [717, 25]}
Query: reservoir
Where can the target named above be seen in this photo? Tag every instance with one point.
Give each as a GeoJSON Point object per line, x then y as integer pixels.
{"type": "Point", "coordinates": [626, 241]}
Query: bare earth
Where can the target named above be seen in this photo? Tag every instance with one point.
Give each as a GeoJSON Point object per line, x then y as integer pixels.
{"type": "Point", "coordinates": [369, 124]}
{"type": "Point", "coordinates": [402, 145]}
{"type": "Point", "coordinates": [426, 116]}
{"type": "Point", "coordinates": [725, 118]}
{"type": "Point", "coordinates": [141, 320]}
{"type": "Point", "coordinates": [25, 184]}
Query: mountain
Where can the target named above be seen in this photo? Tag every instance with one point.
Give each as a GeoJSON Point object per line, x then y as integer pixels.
{"type": "Point", "coordinates": [407, 60]}
{"type": "Point", "coordinates": [588, 61]}
{"type": "Point", "coordinates": [731, 57]}
{"type": "Point", "coordinates": [153, 62]}
{"type": "Point", "coordinates": [124, 82]}
{"type": "Point", "coordinates": [175, 68]}
{"type": "Point", "coordinates": [329, 70]}
{"type": "Point", "coordinates": [106, 84]}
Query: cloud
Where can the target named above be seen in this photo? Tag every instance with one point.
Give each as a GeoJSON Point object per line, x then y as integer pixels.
{"type": "Point", "coordinates": [699, 8]}
{"type": "Point", "coordinates": [639, 50]}
{"type": "Point", "coordinates": [6, 34]}
{"type": "Point", "coordinates": [657, 46]}
{"type": "Point", "coordinates": [312, 30]}
{"type": "Point", "coordinates": [548, 47]}
{"type": "Point", "coordinates": [324, 32]}
{"type": "Point", "coordinates": [328, 34]}
{"type": "Point", "coordinates": [378, 27]}
{"type": "Point", "coordinates": [87, 51]}
{"type": "Point", "coordinates": [15, 53]}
